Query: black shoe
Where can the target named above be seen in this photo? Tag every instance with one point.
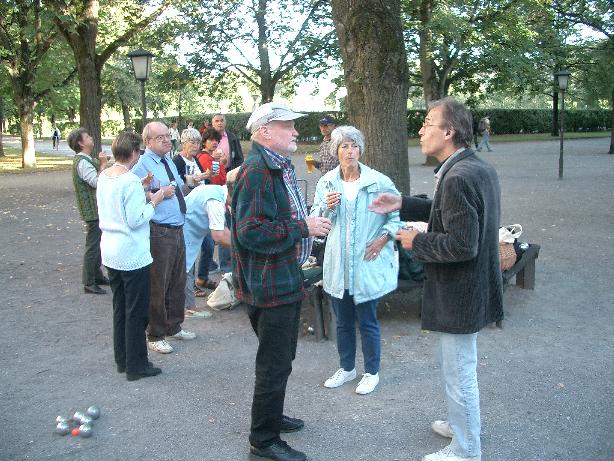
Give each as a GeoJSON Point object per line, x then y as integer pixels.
{"type": "Point", "coordinates": [146, 373]}
{"type": "Point", "coordinates": [279, 451]}
{"type": "Point", "coordinates": [94, 289]}
{"type": "Point", "coordinates": [102, 281]}
{"type": "Point", "coordinates": [291, 424]}
{"type": "Point", "coordinates": [122, 368]}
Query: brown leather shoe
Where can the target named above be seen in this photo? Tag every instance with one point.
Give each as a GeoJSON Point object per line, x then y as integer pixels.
{"type": "Point", "coordinates": [94, 290]}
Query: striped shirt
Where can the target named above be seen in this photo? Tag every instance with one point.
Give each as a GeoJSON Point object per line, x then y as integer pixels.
{"type": "Point", "coordinates": [297, 201]}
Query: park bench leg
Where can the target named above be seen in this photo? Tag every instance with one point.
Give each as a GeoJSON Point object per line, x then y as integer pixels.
{"type": "Point", "coordinates": [526, 277]}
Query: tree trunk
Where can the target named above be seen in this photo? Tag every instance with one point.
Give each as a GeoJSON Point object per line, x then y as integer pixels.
{"type": "Point", "coordinates": [28, 154]}
{"type": "Point", "coordinates": [90, 90]}
{"type": "Point", "coordinates": [267, 87]}
{"type": "Point", "coordinates": [126, 115]}
{"type": "Point", "coordinates": [611, 152]}
{"type": "Point", "coordinates": [555, 111]}
{"type": "Point", "coordinates": [24, 99]}
{"type": "Point", "coordinates": [2, 127]}
{"type": "Point", "coordinates": [430, 87]}
{"type": "Point", "coordinates": [375, 72]}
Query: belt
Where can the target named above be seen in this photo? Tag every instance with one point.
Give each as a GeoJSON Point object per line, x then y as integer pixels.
{"type": "Point", "coordinates": [167, 226]}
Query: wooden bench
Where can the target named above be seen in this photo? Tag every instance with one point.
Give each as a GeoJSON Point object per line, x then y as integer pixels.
{"type": "Point", "coordinates": [324, 320]}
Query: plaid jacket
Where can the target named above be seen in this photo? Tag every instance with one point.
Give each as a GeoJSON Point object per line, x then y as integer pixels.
{"type": "Point", "coordinates": [265, 269]}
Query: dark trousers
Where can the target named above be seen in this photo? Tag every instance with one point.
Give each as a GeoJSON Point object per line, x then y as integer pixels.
{"type": "Point", "coordinates": [168, 274]}
{"type": "Point", "coordinates": [277, 331]}
{"type": "Point", "coordinates": [130, 316]}
{"type": "Point", "coordinates": [206, 256]}
{"type": "Point", "coordinates": [92, 261]}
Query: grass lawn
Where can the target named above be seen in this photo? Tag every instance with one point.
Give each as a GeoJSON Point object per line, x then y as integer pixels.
{"type": "Point", "coordinates": [11, 162]}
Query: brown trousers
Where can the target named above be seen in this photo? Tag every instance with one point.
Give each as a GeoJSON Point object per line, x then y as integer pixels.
{"type": "Point", "coordinates": [168, 274]}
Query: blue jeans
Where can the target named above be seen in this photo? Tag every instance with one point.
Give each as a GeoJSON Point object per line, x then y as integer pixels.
{"type": "Point", "coordinates": [485, 141]}
{"type": "Point", "coordinates": [206, 256]}
{"type": "Point", "coordinates": [224, 255]}
{"type": "Point", "coordinates": [459, 356]}
{"type": "Point", "coordinates": [366, 313]}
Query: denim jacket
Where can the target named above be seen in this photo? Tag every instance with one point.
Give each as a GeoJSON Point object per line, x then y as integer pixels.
{"type": "Point", "coordinates": [368, 280]}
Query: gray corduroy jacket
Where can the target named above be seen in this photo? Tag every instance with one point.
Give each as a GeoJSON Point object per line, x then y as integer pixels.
{"type": "Point", "coordinates": [463, 287]}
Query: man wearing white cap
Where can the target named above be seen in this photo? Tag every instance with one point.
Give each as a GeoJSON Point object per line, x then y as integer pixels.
{"type": "Point", "coordinates": [271, 238]}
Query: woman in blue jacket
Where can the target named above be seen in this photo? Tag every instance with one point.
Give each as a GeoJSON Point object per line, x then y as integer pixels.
{"type": "Point", "coordinates": [360, 265]}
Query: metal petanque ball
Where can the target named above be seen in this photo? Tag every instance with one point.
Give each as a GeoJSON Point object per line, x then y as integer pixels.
{"type": "Point", "coordinates": [62, 428]}
{"type": "Point", "coordinates": [85, 430]}
{"type": "Point", "coordinates": [86, 420]}
{"type": "Point", "coordinates": [93, 411]}
{"type": "Point", "coordinates": [77, 416]}
{"type": "Point", "coordinates": [62, 419]}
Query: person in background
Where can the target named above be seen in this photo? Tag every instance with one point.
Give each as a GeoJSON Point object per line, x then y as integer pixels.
{"type": "Point", "coordinates": [174, 132]}
{"type": "Point", "coordinates": [167, 299]}
{"type": "Point", "coordinates": [85, 174]}
{"type": "Point", "coordinates": [484, 128]}
{"type": "Point", "coordinates": [124, 221]}
{"type": "Point", "coordinates": [326, 160]}
{"type": "Point", "coordinates": [360, 264]}
{"type": "Point", "coordinates": [204, 127]}
{"type": "Point", "coordinates": [55, 137]}
{"type": "Point", "coordinates": [460, 252]}
{"type": "Point", "coordinates": [271, 238]}
{"type": "Point", "coordinates": [185, 161]}
{"type": "Point", "coordinates": [233, 154]}
{"type": "Point", "coordinates": [229, 143]}
{"type": "Point", "coordinates": [205, 216]}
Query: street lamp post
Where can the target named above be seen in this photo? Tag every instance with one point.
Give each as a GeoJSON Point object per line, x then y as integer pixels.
{"type": "Point", "coordinates": [563, 78]}
{"type": "Point", "coordinates": [141, 64]}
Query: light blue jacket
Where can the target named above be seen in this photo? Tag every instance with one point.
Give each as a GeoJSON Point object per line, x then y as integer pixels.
{"type": "Point", "coordinates": [197, 220]}
{"type": "Point", "coordinates": [368, 280]}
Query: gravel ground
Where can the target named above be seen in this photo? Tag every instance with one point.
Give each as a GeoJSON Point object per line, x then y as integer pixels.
{"type": "Point", "coordinates": [545, 378]}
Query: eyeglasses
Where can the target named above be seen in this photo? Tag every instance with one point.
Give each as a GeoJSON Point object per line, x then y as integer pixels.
{"type": "Point", "coordinates": [162, 137]}
{"type": "Point", "coordinates": [427, 124]}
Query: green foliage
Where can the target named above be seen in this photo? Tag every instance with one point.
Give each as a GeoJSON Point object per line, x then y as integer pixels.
{"type": "Point", "coordinates": [282, 43]}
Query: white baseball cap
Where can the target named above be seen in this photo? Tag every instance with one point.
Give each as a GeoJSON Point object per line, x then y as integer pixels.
{"type": "Point", "coordinates": [269, 112]}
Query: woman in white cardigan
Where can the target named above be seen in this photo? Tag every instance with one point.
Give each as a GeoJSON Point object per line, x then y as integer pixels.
{"type": "Point", "coordinates": [124, 215]}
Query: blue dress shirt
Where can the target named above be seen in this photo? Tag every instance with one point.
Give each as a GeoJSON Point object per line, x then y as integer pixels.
{"type": "Point", "coordinates": [168, 211]}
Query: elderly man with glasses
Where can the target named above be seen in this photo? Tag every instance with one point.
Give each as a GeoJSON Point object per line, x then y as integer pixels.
{"type": "Point", "coordinates": [460, 252]}
{"type": "Point", "coordinates": [168, 275]}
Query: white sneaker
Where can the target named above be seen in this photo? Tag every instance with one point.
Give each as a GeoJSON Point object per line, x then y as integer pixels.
{"type": "Point", "coordinates": [446, 454]}
{"type": "Point", "coordinates": [367, 383]}
{"type": "Point", "coordinates": [161, 346]}
{"type": "Point", "coordinates": [339, 378]}
{"type": "Point", "coordinates": [442, 428]}
{"type": "Point", "coordinates": [183, 334]}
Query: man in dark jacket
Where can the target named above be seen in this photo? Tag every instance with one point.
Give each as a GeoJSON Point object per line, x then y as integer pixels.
{"type": "Point", "coordinates": [463, 287]}
{"type": "Point", "coordinates": [270, 241]}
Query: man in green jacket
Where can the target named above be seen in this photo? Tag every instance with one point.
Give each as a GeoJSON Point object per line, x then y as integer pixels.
{"type": "Point", "coordinates": [271, 238]}
{"type": "Point", "coordinates": [85, 173]}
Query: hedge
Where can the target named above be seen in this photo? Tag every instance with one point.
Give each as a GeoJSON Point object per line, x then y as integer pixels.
{"type": "Point", "coordinates": [503, 121]}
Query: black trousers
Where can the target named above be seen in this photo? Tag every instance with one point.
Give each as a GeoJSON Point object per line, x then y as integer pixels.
{"type": "Point", "coordinates": [92, 261]}
{"type": "Point", "coordinates": [277, 331]}
{"type": "Point", "coordinates": [130, 317]}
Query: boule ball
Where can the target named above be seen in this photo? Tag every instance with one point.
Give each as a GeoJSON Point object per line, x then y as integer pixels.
{"type": "Point", "coordinates": [86, 419]}
{"type": "Point", "coordinates": [62, 428]}
{"type": "Point", "coordinates": [62, 419]}
{"type": "Point", "coordinates": [85, 430]}
{"type": "Point", "coordinates": [93, 411]}
{"type": "Point", "coordinates": [77, 416]}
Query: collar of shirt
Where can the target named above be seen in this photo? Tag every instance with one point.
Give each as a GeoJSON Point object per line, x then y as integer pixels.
{"type": "Point", "coordinates": [155, 157]}
{"type": "Point", "coordinates": [438, 170]}
{"type": "Point", "coordinates": [85, 155]}
{"type": "Point", "coordinates": [278, 159]}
